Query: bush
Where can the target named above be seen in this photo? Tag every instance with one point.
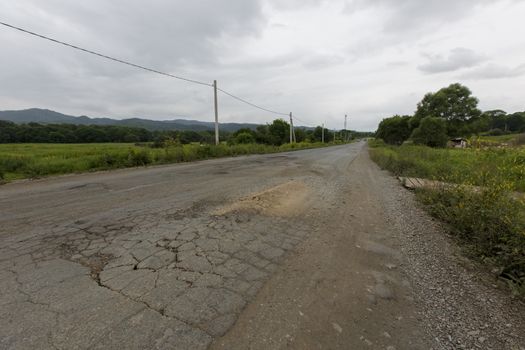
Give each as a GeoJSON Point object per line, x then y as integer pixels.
{"type": "Point", "coordinates": [139, 158]}
{"type": "Point", "coordinates": [431, 132]}
{"type": "Point", "coordinates": [394, 130]}
{"type": "Point", "coordinates": [488, 220]}
{"type": "Point", "coordinates": [490, 225]}
{"type": "Point", "coordinates": [244, 138]}
{"type": "Point", "coordinates": [496, 132]}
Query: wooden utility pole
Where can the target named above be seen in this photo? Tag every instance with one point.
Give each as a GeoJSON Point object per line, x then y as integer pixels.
{"type": "Point", "coordinates": [345, 129]}
{"type": "Point", "coordinates": [216, 113]}
{"type": "Point", "coordinates": [291, 128]}
{"type": "Point", "coordinates": [322, 133]}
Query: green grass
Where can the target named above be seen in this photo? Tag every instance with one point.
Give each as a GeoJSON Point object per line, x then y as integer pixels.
{"type": "Point", "coordinates": [19, 161]}
{"type": "Point", "coordinates": [484, 141]}
{"type": "Point", "coordinates": [489, 222]}
{"type": "Point", "coordinates": [462, 166]}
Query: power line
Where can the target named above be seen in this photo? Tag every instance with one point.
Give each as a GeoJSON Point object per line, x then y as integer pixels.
{"type": "Point", "coordinates": [104, 56]}
{"type": "Point", "coordinates": [302, 121]}
{"type": "Point", "coordinates": [146, 69]}
{"type": "Point", "coordinates": [251, 104]}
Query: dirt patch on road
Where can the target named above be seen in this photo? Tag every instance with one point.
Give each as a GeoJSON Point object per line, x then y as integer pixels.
{"type": "Point", "coordinates": [286, 200]}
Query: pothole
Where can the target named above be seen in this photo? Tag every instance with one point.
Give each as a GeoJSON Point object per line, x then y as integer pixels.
{"type": "Point", "coordinates": [288, 199]}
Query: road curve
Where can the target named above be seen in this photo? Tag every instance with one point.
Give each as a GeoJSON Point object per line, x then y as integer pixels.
{"type": "Point", "coordinates": [304, 250]}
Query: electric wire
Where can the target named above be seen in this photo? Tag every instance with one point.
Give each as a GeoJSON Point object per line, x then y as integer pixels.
{"type": "Point", "coordinates": [251, 104]}
{"type": "Point", "coordinates": [148, 69]}
{"type": "Point", "coordinates": [104, 56]}
{"type": "Point", "coordinates": [302, 121]}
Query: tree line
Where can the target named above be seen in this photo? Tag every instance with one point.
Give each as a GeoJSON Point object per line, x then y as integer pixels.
{"type": "Point", "coordinates": [275, 133]}
{"type": "Point", "coordinates": [448, 113]}
{"type": "Point", "coordinates": [71, 133]}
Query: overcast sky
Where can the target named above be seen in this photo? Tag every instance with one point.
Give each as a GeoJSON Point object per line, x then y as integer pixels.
{"type": "Point", "coordinates": [369, 59]}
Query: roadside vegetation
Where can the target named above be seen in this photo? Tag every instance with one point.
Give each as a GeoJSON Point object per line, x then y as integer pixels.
{"type": "Point", "coordinates": [34, 150]}
{"type": "Point", "coordinates": [479, 190]}
{"type": "Point", "coordinates": [18, 161]}
{"type": "Point", "coordinates": [275, 133]}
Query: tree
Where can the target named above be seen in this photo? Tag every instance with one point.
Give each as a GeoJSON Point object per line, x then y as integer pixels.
{"type": "Point", "coordinates": [516, 122]}
{"type": "Point", "coordinates": [394, 130]}
{"type": "Point", "coordinates": [279, 132]}
{"type": "Point", "coordinates": [497, 119]}
{"type": "Point", "coordinates": [454, 103]}
{"type": "Point", "coordinates": [431, 132]}
{"type": "Point", "coordinates": [300, 135]}
{"type": "Point", "coordinates": [244, 138]}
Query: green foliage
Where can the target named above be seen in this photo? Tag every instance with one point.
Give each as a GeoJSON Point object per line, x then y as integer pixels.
{"type": "Point", "coordinates": [278, 132]}
{"type": "Point", "coordinates": [19, 161]}
{"type": "Point", "coordinates": [489, 220]}
{"type": "Point", "coordinates": [456, 105]}
{"type": "Point", "coordinates": [431, 132]}
{"type": "Point", "coordinates": [458, 108]}
{"type": "Point", "coordinates": [69, 133]}
{"type": "Point", "coordinates": [394, 130]}
{"type": "Point", "coordinates": [244, 137]}
{"type": "Point", "coordinates": [453, 103]}
{"type": "Point", "coordinates": [489, 223]}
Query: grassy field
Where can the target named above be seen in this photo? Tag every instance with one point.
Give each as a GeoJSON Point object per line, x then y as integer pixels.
{"type": "Point", "coordinates": [484, 141]}
{"type": "Point", "coordinates": [489, 223]}
{"type": "Point", "coordinates": [470, 166]}
{"type": "Point", "coordinates": [19, 161]}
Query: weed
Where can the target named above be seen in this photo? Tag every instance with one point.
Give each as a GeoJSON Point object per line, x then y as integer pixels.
{"type": "Point", "coordinates": [488, 220]}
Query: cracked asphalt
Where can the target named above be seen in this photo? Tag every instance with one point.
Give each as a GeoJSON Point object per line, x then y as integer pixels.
{"type": "Point", "coordinates": [137, 258]}
{"type": "Point", "coordinates": [300, 250]}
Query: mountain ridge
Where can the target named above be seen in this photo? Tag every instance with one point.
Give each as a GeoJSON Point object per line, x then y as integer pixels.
{"type": "Point", "coordinates": [46, 116]}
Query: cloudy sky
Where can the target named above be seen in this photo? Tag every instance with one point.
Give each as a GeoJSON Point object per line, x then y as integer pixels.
{"type": "Point", "coordinates": [320, 59]}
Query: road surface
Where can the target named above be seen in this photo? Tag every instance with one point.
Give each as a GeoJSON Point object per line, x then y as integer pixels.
{"type": "Point", "coordinates": [315, 249]}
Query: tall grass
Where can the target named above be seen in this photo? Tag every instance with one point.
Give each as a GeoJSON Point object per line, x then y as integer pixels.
{"type": "Point", "coordinates": [489, 220]}
{"type": "Point", "coordinates": [462, 166]}
{"type": "Point", "coordinates": [18, 161]}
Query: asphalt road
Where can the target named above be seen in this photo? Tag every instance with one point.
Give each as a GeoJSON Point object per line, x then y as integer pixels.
{"type": "Point", "coordinates": [289, 250]}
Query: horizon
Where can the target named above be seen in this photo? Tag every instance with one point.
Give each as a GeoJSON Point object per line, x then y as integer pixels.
{"type": "Point", "coordinates": [318, 59]}
{"type": "Point", "coordinates": [179, 118]}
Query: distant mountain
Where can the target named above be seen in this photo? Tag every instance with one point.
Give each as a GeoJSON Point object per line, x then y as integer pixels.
{"type": "Point", "coordinates": [45, 116]}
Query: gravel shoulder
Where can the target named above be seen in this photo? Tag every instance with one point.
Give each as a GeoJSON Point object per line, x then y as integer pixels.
{"type": "Point", "coordinates": [461, 304]}
{"type": "Point", "coordinates": [378, 273]}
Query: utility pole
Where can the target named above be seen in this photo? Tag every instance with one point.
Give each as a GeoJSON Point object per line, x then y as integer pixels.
{"type": "Point", "coordinates": [291, 128]}
{"type": "Point", "coordinates": [322, 133]}
{"type": "Point", "coordinates": [216, 113]}
{"type": "Point", "coordinates": [334, 136]}
{"type": "Point", "coordinates": [345, 129]}
{"type": "Point", "coordinates": [293, 131]}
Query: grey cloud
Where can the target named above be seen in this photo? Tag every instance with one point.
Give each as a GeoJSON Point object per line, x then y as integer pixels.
{"type": "Point", "coordinates": [457, 59]}
{"type": "Point", "coordinates": [291, 5]}
{"type": "Point", "coordinates": [494, 71]}
{"type": "Point", "coordinates": [320, 61]}
{"type": "Point", "coordinates": [180, 37]}
{"type": "Point", "coordinates": [410, 15]}
{"type": "Point", "coordinates": [397, 63]}
{"type": "Point", "coordinates": [375, 42]}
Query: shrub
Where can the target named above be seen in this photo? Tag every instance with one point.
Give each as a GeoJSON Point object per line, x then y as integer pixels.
{"type": "Point", "coordinates": [488, 220]}
{"type": "Point", "coordinates": [394, 130]}
{"type": "Point", "coordinates": [244, 137]}
{"type": "Point", "coordinates": [490, 224]}
{"type": "Point", "coordinates": [431, 132]}
{"type": "Point", "coordinates": [496, 132]}
{"type": "Point", "coordinates": [138, 157]}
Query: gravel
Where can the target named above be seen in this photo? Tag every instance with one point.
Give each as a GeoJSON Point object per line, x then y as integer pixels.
{"type": "Point", "coordinates": [462, 306]}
